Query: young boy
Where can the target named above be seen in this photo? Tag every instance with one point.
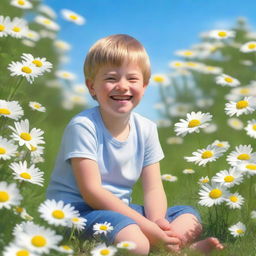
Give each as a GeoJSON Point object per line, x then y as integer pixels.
{"type": "Point", "coordinates": [106, 149]}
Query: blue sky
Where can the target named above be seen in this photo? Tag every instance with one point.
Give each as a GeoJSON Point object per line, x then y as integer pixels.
{"type": "Point", "coordinates": [162, 26]}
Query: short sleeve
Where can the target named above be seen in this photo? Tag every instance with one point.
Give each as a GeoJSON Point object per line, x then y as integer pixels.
{"type": "Point", "coordinates": [80, 140]}
{"type": "Point", "coordinates": [153, 149]}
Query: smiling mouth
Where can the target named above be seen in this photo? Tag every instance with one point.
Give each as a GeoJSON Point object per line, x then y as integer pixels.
{"type": "Point", "coordinates": [118, 98]}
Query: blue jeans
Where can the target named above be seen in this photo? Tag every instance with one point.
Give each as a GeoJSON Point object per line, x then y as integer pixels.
{"type": "Point", "coordinates": [120, 221]}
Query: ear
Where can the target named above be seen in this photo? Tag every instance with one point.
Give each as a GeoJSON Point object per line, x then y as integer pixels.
{"type": "Point", "coordinates": [89, 84]}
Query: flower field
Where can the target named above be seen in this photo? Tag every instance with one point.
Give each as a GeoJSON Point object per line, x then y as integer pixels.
{"type": "Point", "coordinates": [207, 129]}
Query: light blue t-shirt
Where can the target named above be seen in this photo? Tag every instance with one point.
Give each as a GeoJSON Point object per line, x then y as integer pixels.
{"type": "Point", "coordinates": [120, 163]}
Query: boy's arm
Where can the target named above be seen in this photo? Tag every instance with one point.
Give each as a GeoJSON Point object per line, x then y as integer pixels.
{"type": "Point", "coordinates": [155, 201]}
{"type": "Point", "coordinates": [89, 182]}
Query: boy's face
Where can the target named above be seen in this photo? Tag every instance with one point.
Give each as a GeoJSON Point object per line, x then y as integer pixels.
{"type": "Point", "coordinates": [118, 89]}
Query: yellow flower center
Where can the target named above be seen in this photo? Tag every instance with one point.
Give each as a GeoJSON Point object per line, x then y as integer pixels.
{"type": "Point", "coordinates": [75, 219]}
{"type": "Point", "coordinates": [244, 91]}
{"type": "Point", "coordinates": [228, 79]}
{"type": "Point", "coordinates": [38, 63]}
{"type": "Point", "coordinates": [66, 75]}
{"type": "Point", "coordinates": [66, 247]}
{"type": "Point", "coordinates": [233, 199]}
{"type": "Point", "coordinates": [22, 253]}
{"type": "Point", "coordinates": [21, 2]}
{"type": "Point", "coordinates": [244, 157]}
{"type": "Point", "coordinates": [168, 177]}
{"type": "Point", "coordinates": [19, 209]}
{"type": "Point", "coordinates": [16, 29]}
{"type": "Point", "coordinates": [103, 227]}
{"type": "Point", "coordinates": [209, 68]}
{"type": "Point", "coordinates": [2, 27]}
{"type": "Point", "coordinates": [215, 193]}
{"type": "Point", "coordinates": [193, 123]}
{"type": "Point", "coordinates": [220, 145]}
{"type": "Point", "coordinates": [5, 111]}
{"type": "Point", "coordinates": [222, 34]}
{"type": "Point", "coordinates": [158, 79]}
{"type": "Point", "coordinates": [125, 245]}
{"type": "Point", "coordinates": [229, 178]}
{"type": "Point", "coordinates": [242, 104]}
{"type": "Point", "coordinates": [254, 127]}
{"type": "Point", "coordinates": [47, 22]}
{"type": "Point", "coordinates": [188, 53]}
{"type": "Point", "coordinates": [205, 181]}
{"type": "Point", "coordinates": [177, 64]}
{"type": "Point", "coordinates": [105, 252]}
{"type": "Point", "coordinates": [25, 175]}
{"type": "Point", "coordinates": [251, 46]}
{"type": "Point", "coordinates": [33, 148]}
{"type": "Point", "coordinates": [251, 167]}
{"type": "Point", "coordinates": [26, 136]}
{"type": "Point", "coordinates": [27, 70]}
{"type": "Point", "coordinates": [2, 151]}
{"type": "Point", "coordinates": [38, 241]}
{"type": "Point", "coordinates": [58, 214]}
{"type": "Point", "coordinates": [207, 154]}
{"type": "Point", "coordinates": [73, 17]}
{"type": "Point", "coordinates": [240, 231]}
{"type": "Point", "coordinates": [4, 196]}
{"type": "Point", "coordinates": [192, 64]}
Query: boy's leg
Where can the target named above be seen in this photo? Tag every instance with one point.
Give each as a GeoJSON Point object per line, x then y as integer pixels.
{"type": "Point", "coordinates": [134, 234]}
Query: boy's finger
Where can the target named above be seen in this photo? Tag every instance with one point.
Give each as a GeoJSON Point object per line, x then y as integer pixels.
{"type": "Point", "coordinates": [173, 241]}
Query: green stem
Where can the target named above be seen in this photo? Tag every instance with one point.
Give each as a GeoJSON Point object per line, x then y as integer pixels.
{"type": "Point", "coordinates": [15, 88]}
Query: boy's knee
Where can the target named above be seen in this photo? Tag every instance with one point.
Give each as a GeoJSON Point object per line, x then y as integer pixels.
{"type": "Point", "coordinates": [134, 234]}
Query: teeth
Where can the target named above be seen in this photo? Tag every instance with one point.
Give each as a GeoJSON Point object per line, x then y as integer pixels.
{"type": "Point", "coordinates": [121, 98]}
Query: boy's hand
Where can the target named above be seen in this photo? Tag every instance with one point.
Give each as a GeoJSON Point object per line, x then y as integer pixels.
{"type": "Point", "coordinates": [163, 224]}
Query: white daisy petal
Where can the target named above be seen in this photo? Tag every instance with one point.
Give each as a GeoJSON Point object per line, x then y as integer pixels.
{"type": "Point", "coordinates": [103, 250]}
{"type": "Point", "coordinates": [102, 228]}
{"type": "Point", "coordinates": [238, 229]}
{"type": "Point", "coordinates": [73, 17]}
{"type": "Point", "coordinates": [7, 149]}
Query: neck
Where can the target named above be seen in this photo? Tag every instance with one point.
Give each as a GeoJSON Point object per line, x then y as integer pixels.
{"type": "Point", "coordinates": [115, 124]}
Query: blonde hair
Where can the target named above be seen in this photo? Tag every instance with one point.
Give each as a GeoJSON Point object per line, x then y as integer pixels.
{"type": "Point", "coordinates": [114, 50]}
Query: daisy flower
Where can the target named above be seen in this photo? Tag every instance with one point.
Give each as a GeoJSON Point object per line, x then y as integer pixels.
{"type": "Point", "coordinates": [241, 154]}
{"type": "Point", "coordinates": [57, 213]}
{"type": "Point", "coordinates": [245, 106]}
{"type": "Point", "coordinates": [30, 174]}
{"type": "Point", "coordinates": [193, 122]}
{"type": "Point", "coordinates": [11, 109]}
{"type": "Point", "coordinates": [25, 137]}
{"type": "Point", "coordinates": [80, 89]}
{"type": "Point", "coordinates": [203, 180]}
{"type": "Point", "coordinates": [78, 223]}
{"type": "Point", "coordinates": [128, 245]}
{"type": "Point", "coordinates": [18, 28]}
{"type": "Point", "coordinates": [47, 10]}
{"type": "Point", "coordinates": [64, 248]}
{"type": "Point", "coordinates": [65, 75]}
{"type": "Point", "coordinates": [211, 70]}
{"type": "Point", "coordinates": [48, 23]}
{"type": "Point", "coordinates": [103, 250]}
{"type": "Point", "coordinates": [37, 106]}
{"type": "Point", "coordinates": [37, 159]}
{"type": "Point", "coordinates": [228, 178]}
{"type": "Point", "coordinates": [18, 210]}
{"type": "Point", "coordinates": [36, 151]}
{"type": "Point", "coordinates": [251, 128]}
{"type": "Point", "coordinates": [186, 53]}
{"type": "Point", "coordinates": [248, 47]}
{"type": "Point", "coordinates": [214, 194]}
{"type": "Point", "coordinates": [5, 25]}
{"type": "Point", "coordinates": [249, 167]}
{"type": "Point", "coordinates": [238, 229]}
{"type": "Point", "coordinates": [73, 17]}
{"type": "Point", "coordinates": [23, 4]}
{"type": "Point", "coordinates": [180, 109]}
{"type": "Point", "coordinates": [224, 145]}
{"type": "Point", "coordinates": [24, 69]}
{"type": "Point", "coordinates": [188, 171]}
{"type": "Point", "coordinates": [227, 80]}
{"type": "Point", "coordinates": [253, 214]}
{"type": "Point", "coordinates": [17, 250]}
{"type": "Point", "coordinates": [161, 79]}
{"type": "Point", "coordinates": [235, 123]}
{"type": "Point", "coordinates": [36, 238]}
{"type": "Point", "coordinates": [28, 43]}
{"type": "Point", "coordinates": [235, 201]}
{"type": "Point", "coordinates": [102, 228]}
{"type": "Point", "coordinates": [206, 155]}
{"type": "Point", "coordinates": [7, 149]}
{"type": "Point", "coordinates": [169, 177]}
{"type": "Point", "coordinates": [9, 195]}
{"type": "Point", "coordinates": [62, 45]}
{"type": "Point", "coordinates": [221, 34]}
{"type": "Point", "coordinates": [40, 63]}
{"type": "Point", "coordinates": [177, 64]}
{"type": "Point", "coordinates": [32, 35]}
{"type": "Point", "coordinates": [174, 140]}
{"type": "Point", "coordinates": [210, 128]}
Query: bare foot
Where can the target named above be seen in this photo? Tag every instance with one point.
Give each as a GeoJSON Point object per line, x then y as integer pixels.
{"type": "Point", "coordinates": [207, 245]}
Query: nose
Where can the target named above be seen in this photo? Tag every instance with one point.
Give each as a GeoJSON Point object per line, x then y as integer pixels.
{"type": "Point", "coordinates": [122, 85]}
